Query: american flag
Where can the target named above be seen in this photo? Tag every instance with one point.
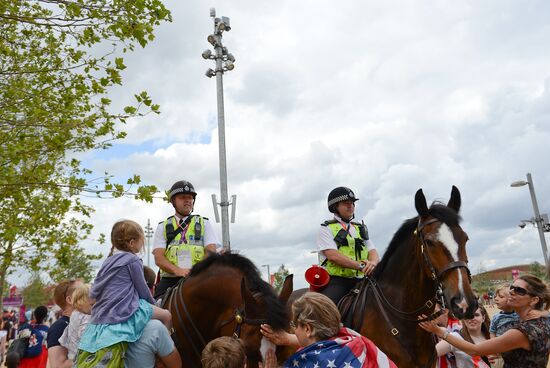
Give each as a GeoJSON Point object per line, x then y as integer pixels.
{"type": "Point", "coordinates": [347, 350]}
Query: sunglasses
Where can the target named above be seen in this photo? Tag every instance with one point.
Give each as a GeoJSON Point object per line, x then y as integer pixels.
{"type": "Point", "coordinates": [518, 290]}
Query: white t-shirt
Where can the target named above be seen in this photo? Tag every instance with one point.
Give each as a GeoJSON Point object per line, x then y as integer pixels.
{"type": "Point", "coordinates": [210, 237]}
{"type": "Point", "coordinates": [325, 239]}
{"type": "Point", "coordinates": [73, 332]}
{"type": "Point", "coordinates": [464, 360]}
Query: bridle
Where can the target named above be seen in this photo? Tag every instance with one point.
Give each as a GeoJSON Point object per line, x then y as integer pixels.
{"type": "Point", "coordinates": [436, 277]}
{"type": "Point", "coordinates": [239, 316]}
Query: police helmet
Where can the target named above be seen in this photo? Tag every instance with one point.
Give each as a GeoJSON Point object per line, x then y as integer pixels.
{"type": "Point", "coordinates": [339, 194]}
{"type": "Point", "coordinates": [182, 186]}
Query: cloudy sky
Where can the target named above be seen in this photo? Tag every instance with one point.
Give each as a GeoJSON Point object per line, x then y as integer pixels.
{"type": "Point", "coordinates": [384, 97]}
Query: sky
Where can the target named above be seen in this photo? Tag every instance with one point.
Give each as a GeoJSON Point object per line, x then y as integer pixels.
{"type": "Point", "coordinates": [384, 97]}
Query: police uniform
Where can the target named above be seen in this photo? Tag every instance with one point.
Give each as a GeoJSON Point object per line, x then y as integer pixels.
{"type": "Point", "coordinates": [349, 240]}
{"type": "Point", "coordinates": [182, 238]}
{"type": "Point", "coordinates": [186, 248]}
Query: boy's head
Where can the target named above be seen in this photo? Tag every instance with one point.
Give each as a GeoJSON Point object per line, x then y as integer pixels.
{"type": "Point", "coordinates": [81, 299]}
{"type": "Point", "coordinates": [501, 297]}
{"type": "Point", "coordinates": [224, 352]}
{"type": "Point", "coordinates": [12, 360]}
{"type": "Point", "coordinates": [150, 277]}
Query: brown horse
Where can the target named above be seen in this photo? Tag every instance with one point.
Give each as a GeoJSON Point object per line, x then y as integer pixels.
{"type": "Point", "coordinates": [225, 295]}
{"type": "Point", "coordinates": [425, 262]}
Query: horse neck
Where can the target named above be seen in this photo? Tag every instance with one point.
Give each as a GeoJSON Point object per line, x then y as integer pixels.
{"type": "Point", "coordinates": [406, 271]}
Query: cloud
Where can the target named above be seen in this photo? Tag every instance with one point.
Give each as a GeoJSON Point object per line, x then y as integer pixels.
{"type": "Point", "coordinates": [383, 97]}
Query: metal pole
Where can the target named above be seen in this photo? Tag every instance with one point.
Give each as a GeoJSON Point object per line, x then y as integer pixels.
{"type": "Point", "coordinates": [224, 204]}
{"type": "Point", "coordinates": [268, 274]}
{"type": "Point", "coordinates": [148, 235]}
{"type": "Point", "coordinates": [539, 221]}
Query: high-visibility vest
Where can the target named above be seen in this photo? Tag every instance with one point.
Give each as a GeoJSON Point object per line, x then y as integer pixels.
{"type": "Point", "coordinates": [189, 239]}
{"type": "Point", "coordinates": [353, 248]}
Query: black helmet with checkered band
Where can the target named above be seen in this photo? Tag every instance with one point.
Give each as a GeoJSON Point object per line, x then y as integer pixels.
{"type": "Point", "coordinates": [340, 194]}
{"type": "Point", "coordinates": [180, 187]}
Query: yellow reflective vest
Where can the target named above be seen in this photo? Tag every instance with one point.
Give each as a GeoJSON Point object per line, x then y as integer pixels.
{"type": "Point", "coordinates": [185, 243]}
{"type": "Point", "coordinates": [353, 248]}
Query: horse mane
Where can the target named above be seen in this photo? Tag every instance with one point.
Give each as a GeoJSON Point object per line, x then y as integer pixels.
{"type": "Point", "coordinates": [438, 210]}
{"type": "Point", "coordinates": [277, 315]}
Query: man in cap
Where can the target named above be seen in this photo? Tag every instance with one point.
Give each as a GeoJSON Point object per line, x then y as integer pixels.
{"type": "Point", "coordinates": [344, 246]}
{"type": "Point", "coordinates": [182, 240]}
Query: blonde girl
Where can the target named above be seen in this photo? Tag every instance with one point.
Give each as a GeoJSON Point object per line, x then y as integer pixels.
{"type": "Point", "coordinates": [122, 302]}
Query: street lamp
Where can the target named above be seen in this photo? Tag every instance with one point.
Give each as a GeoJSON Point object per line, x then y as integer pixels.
{"type": "Point", "coordinates": [540, 221]}
{"type": "Point", "coordinates": [148, 235]}
{"type": "Point", "coordinates": [224, 62]}
{"type": "Point", "coordinates": [268, 274]}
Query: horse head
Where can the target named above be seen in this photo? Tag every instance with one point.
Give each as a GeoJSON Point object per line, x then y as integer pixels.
{"type": "Point", "coordinates": [260, 308]}
{"type": "Point", "coordinates": [443, 252]}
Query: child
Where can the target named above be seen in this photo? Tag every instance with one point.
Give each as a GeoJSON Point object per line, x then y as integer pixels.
{"type": "Point", "coordinates": [506, 318]}
{"type": "Point", "coordinates": [224, 352]}
{"type": "Point", "coordinates": [123, 303]}
{"type": "Point", "coordinates": [503, 320]}
{"type": "Point", "coordinates": [79, 320]}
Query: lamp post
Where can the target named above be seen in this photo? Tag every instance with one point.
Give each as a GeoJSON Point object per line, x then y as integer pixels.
{"type": "Point", "coordinates": [268, 274]}
{"type": "Point", "coordinates": [148, 235]}
{"type": "Point", "coordinates": [540, 222]}
{"type": "Point", "coordinates": [224, 62]}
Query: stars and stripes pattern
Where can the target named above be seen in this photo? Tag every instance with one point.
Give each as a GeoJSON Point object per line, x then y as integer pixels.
{"type": "Point", "coordinates": [347, 350]}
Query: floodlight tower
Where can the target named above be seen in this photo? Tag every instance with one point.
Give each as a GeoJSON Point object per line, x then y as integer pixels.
{"type": "Point", "coordinates": [224, 62]}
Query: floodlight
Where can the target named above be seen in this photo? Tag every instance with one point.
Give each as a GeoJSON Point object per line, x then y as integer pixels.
{"type": "Point", "coordinates": [212, 39]}
{"type": "Point", "coordinates": [206, 54]}
{"type": "Point", "coordinates": [231, 58]}
{"type": "Point", "coordinates": [226, 24]}
{"type": "Point", "coordinates": [229, 65]}
{"type": "Point", "coordinates": [210, 73]}
{"type": "Point", "coordinates": [212, 12]}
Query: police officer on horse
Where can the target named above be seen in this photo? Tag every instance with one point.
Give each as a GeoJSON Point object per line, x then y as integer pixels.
{"type": "Point", "coordinates": [182, 240]}
{"type": "Point", "coordinates": [344, 245]}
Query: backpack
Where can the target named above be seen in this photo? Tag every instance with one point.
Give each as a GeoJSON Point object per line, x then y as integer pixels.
{"type": "Point", "coordinates": [18, 346]}
{"type": "Point", "coordinates": [109, 357]}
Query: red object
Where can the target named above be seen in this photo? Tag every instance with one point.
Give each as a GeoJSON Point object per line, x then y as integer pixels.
{"type": "Point", "coordinates": [39, 361]}
{"type": "Point", "coordinates": [317, 278]}
{"type": "Point", "coordinates": [272, 279]}
{"type": "Point", "coordinates": [13, 290]}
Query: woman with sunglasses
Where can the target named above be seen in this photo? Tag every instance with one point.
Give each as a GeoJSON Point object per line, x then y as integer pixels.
{"type": "Point", "coordinates": [527, 343]}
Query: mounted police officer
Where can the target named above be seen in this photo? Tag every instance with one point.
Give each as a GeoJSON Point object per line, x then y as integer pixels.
{"type": "Point", "coordinates": [182, 240]}
{"type": "Point", "coordinates": [344, 245]}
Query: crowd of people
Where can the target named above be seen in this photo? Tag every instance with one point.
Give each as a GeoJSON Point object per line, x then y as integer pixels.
{"type": "Point", "coordinates": [116, 322]}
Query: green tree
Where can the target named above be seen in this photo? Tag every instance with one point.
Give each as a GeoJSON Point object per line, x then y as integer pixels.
{"type": "Point", "coordinates": [58, 61]}
{"type": "Point", "coordinates": [538, 270]}
{"type": "Point", "coordinates": [279, 277]}
{"type": "Point", "coordinates": [36, 292]}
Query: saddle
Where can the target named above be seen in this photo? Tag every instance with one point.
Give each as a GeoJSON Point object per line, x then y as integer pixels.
{"type": "Point", "coordinates": [164, 298]}
{"type": "Point", "coordinates": [354, 301]}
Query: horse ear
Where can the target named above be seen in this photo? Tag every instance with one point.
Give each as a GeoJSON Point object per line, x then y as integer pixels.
{"type": "Point", "coordinates": [420, 203]}
{"type": "Point", "coordinates": [455, 200]}
{"type": "Point", "coordinates": [288, 285]}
